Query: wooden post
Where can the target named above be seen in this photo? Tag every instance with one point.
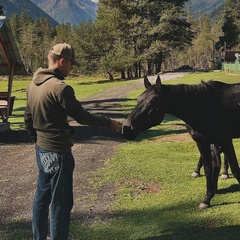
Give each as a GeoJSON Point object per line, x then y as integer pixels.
{"type": "Point", "coordinates": [10, 81]}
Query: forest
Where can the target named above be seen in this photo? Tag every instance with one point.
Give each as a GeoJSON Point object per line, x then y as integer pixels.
{"type": "Point", "coordinates": [131, 38]}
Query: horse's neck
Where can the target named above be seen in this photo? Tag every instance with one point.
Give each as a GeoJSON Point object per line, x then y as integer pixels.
{"type": "Point", "coordinates": [184, 101]}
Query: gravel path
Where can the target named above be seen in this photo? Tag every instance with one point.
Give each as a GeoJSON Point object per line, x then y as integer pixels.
{"type": "Point", "coordinates": [92, 147]}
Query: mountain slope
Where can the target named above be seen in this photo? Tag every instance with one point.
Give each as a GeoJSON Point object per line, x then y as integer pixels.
{"type": "Point", "coordinates": [198, 7]}
{"type": "Point", "coordinates": [72, 11]}
{"type": "Point", "coordinates": [11, 7]}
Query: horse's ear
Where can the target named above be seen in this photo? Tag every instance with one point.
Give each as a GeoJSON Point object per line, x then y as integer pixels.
{"type": "Point", "coordinates": [147, 84]}
{"type": "Point", "coordinates": [158, 82]}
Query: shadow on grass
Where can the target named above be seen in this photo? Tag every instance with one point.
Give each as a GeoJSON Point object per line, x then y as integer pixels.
{"type": "Point", "coordinates": [179, 221]}
{"type": "Point", "coordinates": [151, 223]}
{"type": "Point", "coordinates": [151, 133]}
{"type": "Point", "coordinates": [231, 189]}
{"type": "Point", "coordinates": [229, 232]}
{"type": "Point", "coordinates": [16, 230]}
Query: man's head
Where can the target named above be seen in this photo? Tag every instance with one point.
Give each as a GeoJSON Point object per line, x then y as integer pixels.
{"type": "Point", "coordinates": [62, 55]}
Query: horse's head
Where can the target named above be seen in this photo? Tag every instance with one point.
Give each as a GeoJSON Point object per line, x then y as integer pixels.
{"type": "Point", "coordinates": [148, 112]}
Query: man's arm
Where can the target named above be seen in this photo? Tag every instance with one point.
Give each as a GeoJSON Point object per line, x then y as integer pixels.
{"type": "Point", "coordinates": [29, 125]}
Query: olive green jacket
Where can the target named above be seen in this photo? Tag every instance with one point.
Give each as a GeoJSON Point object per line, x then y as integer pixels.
{"type": "Point", "coordinates": [49, 103]}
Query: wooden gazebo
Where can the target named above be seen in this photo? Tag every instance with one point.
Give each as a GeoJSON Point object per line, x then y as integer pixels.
{"type": "Point", "coordinates": [10, 65]}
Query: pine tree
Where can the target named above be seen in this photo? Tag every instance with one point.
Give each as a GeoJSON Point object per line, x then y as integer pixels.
{"type": "Point", "coordinates": [87, 45]}
{"type": "Point", "coordinates": [150, 28]}
{"type": "Point", "coordinates": [112, 29]}
{"type": "Point", "coordinates": [231, 26]}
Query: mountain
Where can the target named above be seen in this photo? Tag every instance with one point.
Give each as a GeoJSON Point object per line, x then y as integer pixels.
{"type": "Point", "coordinates": [11, 7]}
{"type": "Point", "coordinates": [72, 11]}
{"type": "Point", "coordinates": [198, 7]}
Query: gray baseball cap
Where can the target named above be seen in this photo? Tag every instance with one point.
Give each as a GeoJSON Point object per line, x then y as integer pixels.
{"type": "Point", "coordinates": [66, 51]}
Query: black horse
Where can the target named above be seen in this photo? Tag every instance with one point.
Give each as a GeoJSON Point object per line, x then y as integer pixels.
{"type": "Point", "coordinates": [211, 109]}
{"type": "Point", "coordinates": [216, 156]}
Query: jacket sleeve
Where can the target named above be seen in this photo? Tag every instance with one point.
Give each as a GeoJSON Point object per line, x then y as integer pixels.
{"type": "Point", "coordinates": [75, 110]}
{"type": "Point", "coordinates": [29, 125]}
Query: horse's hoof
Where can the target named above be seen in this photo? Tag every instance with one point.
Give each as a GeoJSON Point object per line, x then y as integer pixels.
{"type": "Point", "coordinates": [203, 206]}
{"type": "Point", "coordinates": [224, 176]}
{"type": "Point", "coordinates": [195, 174]}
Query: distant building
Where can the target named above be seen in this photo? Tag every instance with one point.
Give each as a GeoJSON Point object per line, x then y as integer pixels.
{"type": "Point", "coordinates": [230, 60]}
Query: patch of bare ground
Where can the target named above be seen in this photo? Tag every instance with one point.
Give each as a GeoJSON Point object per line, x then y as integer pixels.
{"type": "Point", "coordinates": [139, 187]}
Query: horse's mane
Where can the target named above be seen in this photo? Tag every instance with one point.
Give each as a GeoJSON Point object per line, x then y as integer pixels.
{"type": "Point", "coordinates": [206, 88]}
{"type": "Point", "coordinates": [192, 89]}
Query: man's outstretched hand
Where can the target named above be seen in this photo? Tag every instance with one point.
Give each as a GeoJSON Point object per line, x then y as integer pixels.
{"type": "Point", "coordinates": [116, 126]}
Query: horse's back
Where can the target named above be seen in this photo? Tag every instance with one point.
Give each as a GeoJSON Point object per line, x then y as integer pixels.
{"type": "Point", "coordinates": [227, 94]}
{"type": "Point", "coordinates": [229, 97]}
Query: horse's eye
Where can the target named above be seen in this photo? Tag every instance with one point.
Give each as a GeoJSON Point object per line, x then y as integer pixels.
{"type": "Point", "coordinates": [153, 110]}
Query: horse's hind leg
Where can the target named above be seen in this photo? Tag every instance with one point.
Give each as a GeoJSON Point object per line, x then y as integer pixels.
{"type": "Point", "coordinates": [196, 172]}
{"type": "Point", "coordinates": [205, 151]}
{"type": "Point", "coordinates": [216, 165]}
{"type": "Point", "coordinates": [228, 150]}
{"type": "Point", "coordinates": [225, 174]}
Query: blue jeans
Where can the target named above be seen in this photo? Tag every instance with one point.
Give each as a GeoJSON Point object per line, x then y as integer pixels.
{"type": "Point", "coordinates": [55, 192]}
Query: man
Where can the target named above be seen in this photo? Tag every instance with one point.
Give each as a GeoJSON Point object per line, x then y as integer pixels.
{"type": "Point", "coordinates": [49, 103]}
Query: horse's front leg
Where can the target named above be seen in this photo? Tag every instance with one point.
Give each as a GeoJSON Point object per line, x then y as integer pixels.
{"type": "Point", "coordinates": [205, 151]}
{"type": "Point", "coordinates": [230, 155]}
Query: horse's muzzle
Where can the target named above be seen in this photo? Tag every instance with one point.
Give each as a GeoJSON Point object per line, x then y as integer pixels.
{"type": "Point", "coordinates": [129, 133]}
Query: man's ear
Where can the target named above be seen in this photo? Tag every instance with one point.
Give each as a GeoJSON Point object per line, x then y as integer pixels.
{"type": "Point", "coordinates": [61, 61]}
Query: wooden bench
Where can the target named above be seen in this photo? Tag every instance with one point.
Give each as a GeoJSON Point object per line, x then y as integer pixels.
{"type": "Point", "coordinates": [4, 105]}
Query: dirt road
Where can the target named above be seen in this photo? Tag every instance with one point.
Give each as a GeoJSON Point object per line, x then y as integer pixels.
{"type": "Point", "coordinates": [92, 147]}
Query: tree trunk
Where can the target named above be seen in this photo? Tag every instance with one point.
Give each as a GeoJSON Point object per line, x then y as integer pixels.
{"type": "Point", "coordinates": [110, 76]}
{"type": "Point", "coordinates": [135, 70]}
{"type": "Point", "coordinates": [123, 76]}
{"type": "Point", "coordinates": [158, 63]}
{"type": "Point", "coordinates": [139, 69]}
{"type": "Point", "coordinates": [129, 73]}
{"type": "Point", "coordinates": [149, 67]}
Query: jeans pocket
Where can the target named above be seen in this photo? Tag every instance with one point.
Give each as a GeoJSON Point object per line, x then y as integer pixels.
{"type": "Point", "coordinates": [49, 162]}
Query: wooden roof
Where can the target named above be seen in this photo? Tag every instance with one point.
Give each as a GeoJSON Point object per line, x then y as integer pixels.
{"type": "Point", "coordinates": [10, 59]}
{"type": "Point", "coordinates": [10, 64]}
